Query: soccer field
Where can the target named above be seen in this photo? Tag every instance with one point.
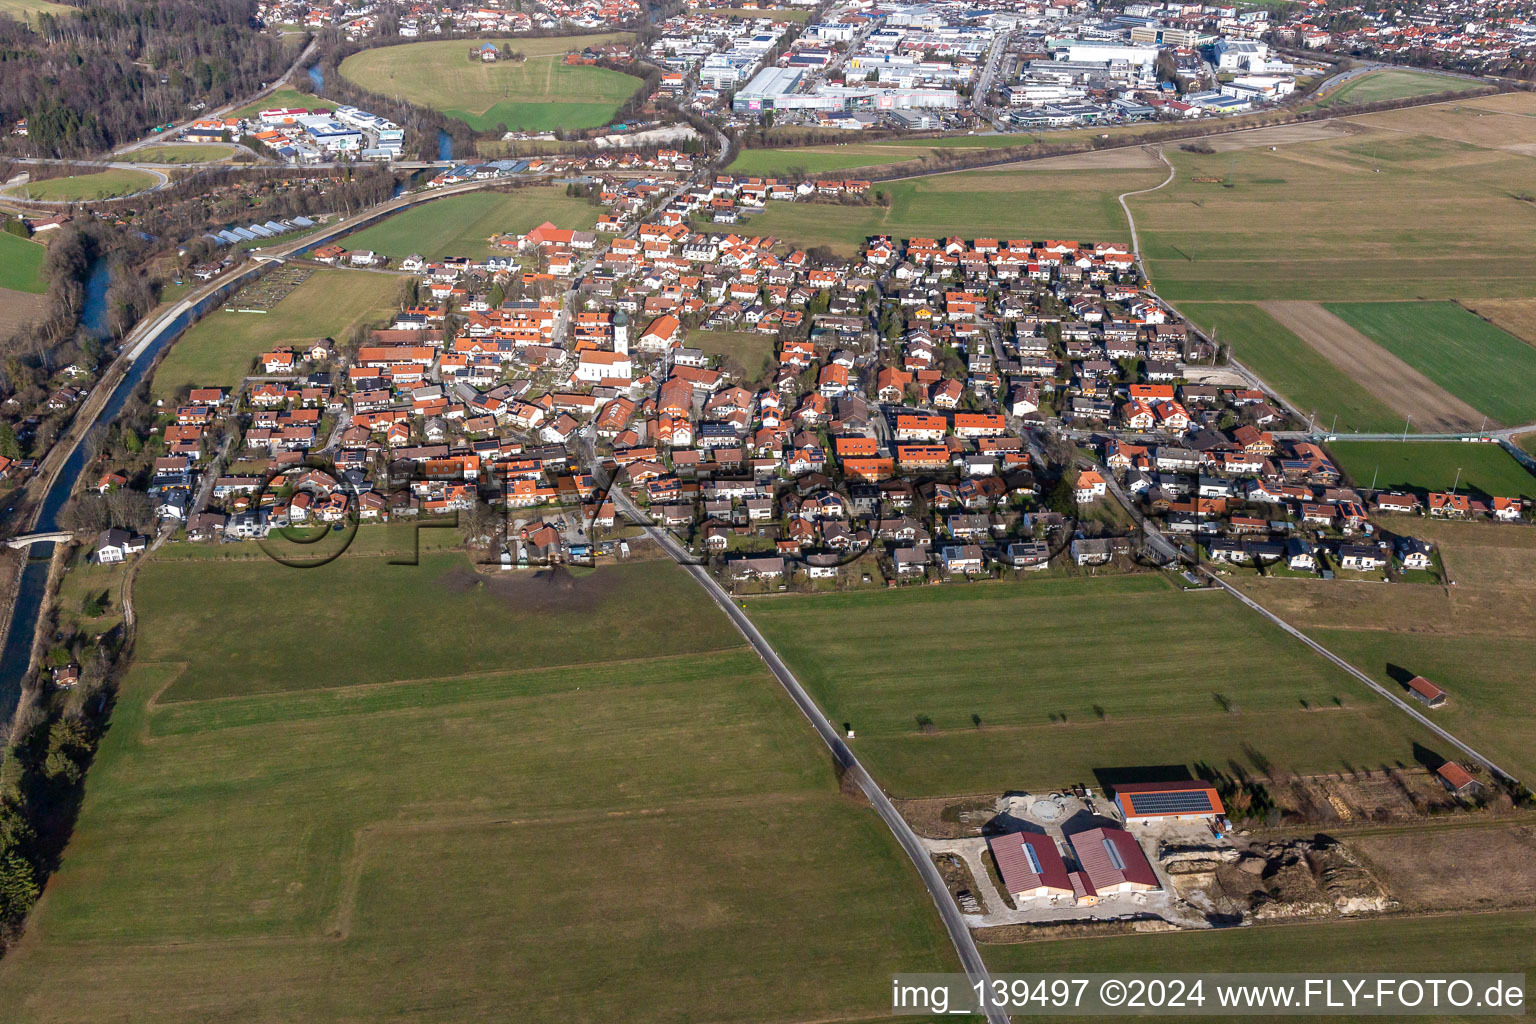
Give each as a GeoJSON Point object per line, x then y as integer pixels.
{"type": "Point", "coordinates": [463, 225]}
{"type": "Point", "coordinates": [220, 348]}
{"type": "Point", "coordinates": [494, 812]}
{"type": "Point", "coordinates": [540, 93]}
{"type": "Point", "coordinates": [988, 687]}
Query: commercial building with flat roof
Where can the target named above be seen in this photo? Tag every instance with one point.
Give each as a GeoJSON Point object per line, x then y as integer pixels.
{"type": "Point", "coordinates": [766, 88]}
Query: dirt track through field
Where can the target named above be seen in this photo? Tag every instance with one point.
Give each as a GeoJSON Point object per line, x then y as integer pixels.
{"type": "Point", "coordinates": [1405, 389]}
{"type": "Point", "coordinates": [1279, 135]}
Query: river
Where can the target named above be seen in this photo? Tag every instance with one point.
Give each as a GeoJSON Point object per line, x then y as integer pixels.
{"type": "Point", "coordinates": [316, 77]}
{"type": "Point", "coordinates": [34, 579]}
{"type": "Point", "coordinates": [17, 652]}
{"type": "Point", "coordinates": [16, 655]}
{"type": "Point", "coordinates": [444, 145]}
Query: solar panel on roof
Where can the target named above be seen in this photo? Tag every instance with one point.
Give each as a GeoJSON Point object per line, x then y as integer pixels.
{"type": "Point", "coordinates": [1189, 801]}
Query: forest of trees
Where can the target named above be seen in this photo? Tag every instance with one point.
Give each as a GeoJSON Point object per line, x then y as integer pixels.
{"type": "Point", "coordinates": [91, 81]}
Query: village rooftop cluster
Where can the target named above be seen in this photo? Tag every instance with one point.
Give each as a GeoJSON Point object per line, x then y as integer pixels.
{"type": "Point", "coordinates": [897, 429]}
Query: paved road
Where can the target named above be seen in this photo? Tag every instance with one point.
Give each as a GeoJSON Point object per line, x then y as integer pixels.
{"type": "Point", "coordinates": [269, 89]}
{"type": "Point", "coordinates": [954, 921]}
{"type": "Point", "coordinates": [1412, 711]}
{"type": "Point", "coordinates": [1166, 548]}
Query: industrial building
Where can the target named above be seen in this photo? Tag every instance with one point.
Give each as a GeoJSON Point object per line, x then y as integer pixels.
{"type": "Point", "coordinates": [774, 89]}
{"type": "Point", "coordinates": [1111, 861]}
{"type": "Point", "coordinates": [1030, 865]}
{"type": "Point", "coordinates": [1168, 801]}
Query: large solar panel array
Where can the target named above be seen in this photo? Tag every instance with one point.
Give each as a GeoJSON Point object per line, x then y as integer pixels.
{"type": "Point", "coordinates": [1189, 801]}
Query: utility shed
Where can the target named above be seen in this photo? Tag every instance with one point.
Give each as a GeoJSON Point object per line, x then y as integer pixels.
{"type": "Point", "coordinates": [1426, 692]}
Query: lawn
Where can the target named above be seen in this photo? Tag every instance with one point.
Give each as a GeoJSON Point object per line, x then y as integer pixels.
{"type": "Point", "coordinates": [1298, 371]}
{"type": "Point", "coordinates": [1003, 204]}
{"type": "Point", "coordinates": [1394, 85]}
{"type": "Point", "coordinates": [1423, 466]}
{"type": "Point", "coordinates": [1067, 676]}
{"type": "Point", "coordinates": [1472, 639]}
{"type": "Point", "coordinates": [744, 353]}
{"type": "Point", "coordinates": [651, 835]}
{"type": "Point", "coordinates": [119, 181]}
{"type": "Point", "coordinates": [291, 99]}
{"type": "Point", "coordinates": [1481, 364]}
{"type": "Point", "coordinates": [220, 348]}
{"type": "Point", "coordinates": [21, 264]}
{"type": "Point", "coordinates": [538, 94]}
{"type": "Point", "coordinates": [1324, 219]}
{"type": "Point", "coordinates": [463, 225]}
{"type": "Point", "coordinates": [188, 153]}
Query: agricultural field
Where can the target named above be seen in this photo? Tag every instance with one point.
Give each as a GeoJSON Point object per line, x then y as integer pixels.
{"type": "Point", "coordinates": [463, 225]}
{"type": "Point", "coordinates": [540, 93]}
{"type": "Point", "coordinates": [843, 156]}
{"type": "Point", "coordinates": [745, 353]}
{"type": "Point", "coordinates": [1517, 316]}
{"type": "Point", "coordinates": [1300, 373]}
{"type": "Point", "coordinates": [1394, 85]}
{"type": "Point", "coordinates": [1502, 942]}
{"type": "Point", "coordinates": [21, 264]}
{"type": "Point", "coordinates": [1472, 638]}
{"type": "Point", "coordinates": [946, 686]}
{"type": "Point", "coordinates": [448, 835]}
{"type": "Point", "coordinates": [219, 349]}
{"type": "Point", "coordinates": [187, 153]}
{"type": "Point", "coordinates": [109, 184]}
{"type": "Point", "coordinates": [1005, 204]}
{"type": "Point", "coordinates": [847, 155]}
{"type": "Point", "coordinates": [1488, 368]}
{"type": "Point", "coordinates": [1323, 219]}
{"type": "Point", "coordinates": [1422, 466]}
{"type": "Point", "coordinates": [18, 308]}
{"type": "Point", "coordinates": [1404, 389]}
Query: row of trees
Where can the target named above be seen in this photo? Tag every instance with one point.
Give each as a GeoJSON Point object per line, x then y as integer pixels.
{"type": "Point", "coordinates": [117, 68]}
{"type": "Point", "coordinates": [43, 759]}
